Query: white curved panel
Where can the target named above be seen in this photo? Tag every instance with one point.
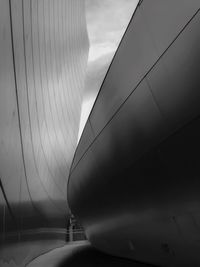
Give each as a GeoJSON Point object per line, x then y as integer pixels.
{"type": "Point", "coordinates": [43, 57]}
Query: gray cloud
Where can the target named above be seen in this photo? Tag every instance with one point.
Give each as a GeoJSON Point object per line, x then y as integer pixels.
{"type": "Point", "coordinates": [95, 74]}
{"type": "Point", "coordinates": [106, 23]}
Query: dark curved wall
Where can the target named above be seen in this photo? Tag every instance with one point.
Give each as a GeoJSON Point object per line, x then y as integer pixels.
{"type": "Point", "coordinates": [43, 57]}
{"type": "Point", "coordinates": [134, 181]}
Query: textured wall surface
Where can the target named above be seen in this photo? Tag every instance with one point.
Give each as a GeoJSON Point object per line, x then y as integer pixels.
{"type": "Point", "coordinates": [43, 56]}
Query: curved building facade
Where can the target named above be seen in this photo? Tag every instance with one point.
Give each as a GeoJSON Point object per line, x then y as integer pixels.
{"type": "Point", "coordinates": [134, 182]}
{"type": "Point", "coordinates": [43, 57]}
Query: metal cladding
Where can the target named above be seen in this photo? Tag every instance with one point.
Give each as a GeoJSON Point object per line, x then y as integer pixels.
{"type": "Point", "coordinates": [43, 56]}
{"type": "Point", "coordinates": [135, 179]}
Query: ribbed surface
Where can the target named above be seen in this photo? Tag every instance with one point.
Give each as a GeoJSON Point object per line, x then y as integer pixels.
{"type": "Point", "coordinates": [43, 57]}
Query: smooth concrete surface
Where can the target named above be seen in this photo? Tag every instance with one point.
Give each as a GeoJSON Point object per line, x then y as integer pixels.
{"type": "Point", "coordinates": [78, 254]}
{"type": "Point", "coordinates": [135, 179]}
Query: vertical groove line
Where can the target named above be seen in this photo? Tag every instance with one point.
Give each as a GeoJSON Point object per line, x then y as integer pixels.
{"type": "Point", "coordinates": [17, 96]}
{"type": "Point", "coordinates": [24, 48]}
{"type": "Point", "coordinates": [27, 88]}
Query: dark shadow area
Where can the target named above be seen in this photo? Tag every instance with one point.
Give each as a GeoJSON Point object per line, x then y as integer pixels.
{"type": "Point", "coordinates": [88, 256]}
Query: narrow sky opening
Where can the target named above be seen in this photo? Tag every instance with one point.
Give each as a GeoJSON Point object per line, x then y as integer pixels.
{"type": "Point", "coordinates": [107, 21]}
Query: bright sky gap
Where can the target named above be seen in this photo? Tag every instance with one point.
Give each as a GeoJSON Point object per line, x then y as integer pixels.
{"type": "Point", "coordinates": [107, 21]}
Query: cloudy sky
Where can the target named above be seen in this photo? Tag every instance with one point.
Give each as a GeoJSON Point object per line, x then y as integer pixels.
{"type": "Point", "coordinates": [106, 22]}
